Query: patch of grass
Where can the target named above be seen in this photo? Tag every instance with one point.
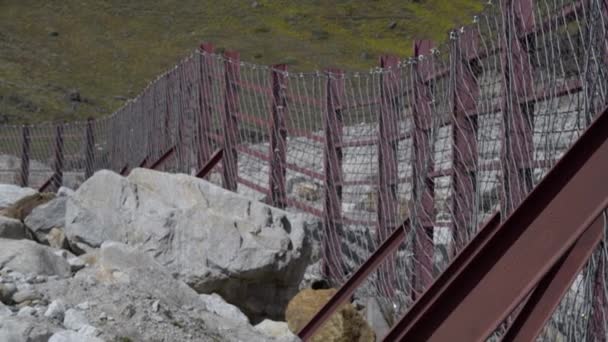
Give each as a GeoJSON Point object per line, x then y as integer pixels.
{"type": "Point", "coordinates": [110, 49]}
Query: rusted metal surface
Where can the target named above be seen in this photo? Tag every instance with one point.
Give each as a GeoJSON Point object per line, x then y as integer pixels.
{"type": "Point", "coordinates": [211, 163]}
{"type": "Point", "coordinates": [205, 97]}
{"type": "Point", "coordinates": [89, 152]}
{"type": "Point", "coordinates": [25, 155]}
{"type": "Point", "coordinates": [57, 179]}
{"type": "Point", "coordinates": [464, 135]}
{"type": "Point", "coordinates": [387, 248]}
{"type": "Point", "coordinates": [162, 158]}
{"type": "Point", "coordinates": [230, 120]}
{"type": "Point", "coordinates": [143, 162]}
{"type": "Point", "coordinates": [424, 186]}
{"type": "Point", "coordinates": [517, 146]}
{"type": "Point", "coordinates": [517, 256]}
{"type": "Point", "coordinates": [332, 167]}
{"type": "Point", "coordinates": [597, 326]}
{"type": "Point", "coordinates": [547, 295]}
{"type": "Point", "coordinates": [438, 288]}
{"type": "Point", "coordinates": [388, 172]}
{"type": "Point", "coordinates": [123, 171]}
{"type": "Point", "coordinates": [278, 137]}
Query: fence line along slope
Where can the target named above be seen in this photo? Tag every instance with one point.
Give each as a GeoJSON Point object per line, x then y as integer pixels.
{"type": "Point", "coordinates": [460, 130]}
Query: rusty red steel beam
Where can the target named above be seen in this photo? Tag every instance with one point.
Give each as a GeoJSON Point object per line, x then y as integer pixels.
{"type": "Point", "coordinates": [45, 185]}
{"type": "Point", "coordinates": [205, 94]}
{"type": "Point", "coordinates": [465, 95]}
{"type": "Point", "coordinates": [517, 255]}
{"type": "Point", "coordinates": [333, 122]}
{"type": "Point", "coordinates": [459, 263]}
{"type": "Point", "coordinates": [89, 151]}
{"type": "Point", "coordinates": [390, 245]}
{"type": "Point", "coordinates": [124, 169]}
{"type": "Point", "coordinates": [253, 119]}
{"type": "Point", "coordinates": [26, 141]}
{"type": "Point", "coordinates": [246, 85]}
{"type": "Point", "coordinates": [230, 124]}
{"type": "Point", "coordinates": [163, 158]}
{"type": "Point", "coordinates": [547, 295]}
{"type": "Point", "coordinates": [295, 132]}
{"type": "Point", "coordinates": [277, 148]}
{"type": "Point", "coordinates": [303, 99]}
{"type": "Point", "coordinates": [58, 162]}
{"type": "Point", "coordinates": [251, 152]}
{"type": "Point", "coordinates": [310, 173]}
{"type": "Point", "coordinates": [254, 186]}
{"type": "Point", "coordinates": [304, 207]}
{"type": "Point", "coordinates": [143, 162]}
{"type": "Point", "coordinates": [422, 159]}
{"type": "Point", "coordinates": [210, 164]}
{"type": "Point", "coordinates": [517, 148]}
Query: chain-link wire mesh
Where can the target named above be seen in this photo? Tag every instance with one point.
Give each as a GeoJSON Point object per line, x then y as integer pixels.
{"type": "Point", "coordinates": [445, 138]}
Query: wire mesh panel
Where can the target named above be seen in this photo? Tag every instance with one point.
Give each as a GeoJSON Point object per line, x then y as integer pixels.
{"type": "Point", "coordinates": [445, 138]}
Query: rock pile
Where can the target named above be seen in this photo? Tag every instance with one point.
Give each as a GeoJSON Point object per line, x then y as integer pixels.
{"type": "Point", "coordinates": [150, 257]}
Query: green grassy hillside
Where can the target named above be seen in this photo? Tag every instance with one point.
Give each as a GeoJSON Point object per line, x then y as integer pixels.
{"type": "Point", "coordinates": [68, 59]}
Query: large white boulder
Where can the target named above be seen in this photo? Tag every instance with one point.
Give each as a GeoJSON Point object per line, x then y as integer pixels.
{"type": "Point", "coordinates": [28, 257]}
{"type": "Point", "coordinates": [217, 241]}
{"type": "Point", "coordinates": [10, 194]}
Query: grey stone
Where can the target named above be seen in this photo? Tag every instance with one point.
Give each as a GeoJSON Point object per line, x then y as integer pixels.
{"type": "Point", "coordinates": [26, 256]}
{"type": "Point", "coordinates": [64, 192]}
{"type": "Point", "coordinates": [56, 310]}
{"type": "Point", "coordinates": [46, 217]}
{"type": "Point", "coordinates": [217, 305]}
{"type": "Point", "coordinates": [72, 336]}
{"type": "Point", "coordinates": [214, 240]}
{"type": "Point", "coordinates": [11, 228]}
{"type": "Point", "coordinates": [83, 306]}
{"type": "Point", "coordinates": [76, 263]}
{"type": "Point", "coordinates": [25, 329]}
{"type": "Point", "coordinates": [9, 194]}
{"type": "Point", "coordinates": [4, 310]}
{"type": "Point", "coordinates": [376, 319]}
{"type": "Point", "coordinates": [88, 330]}
{"type": "Point", "coordinates": [26, 311]}
{"type": "Point", "coordinates": [74, 319]}
{"type": "Point", "coordinates": [26, 295]}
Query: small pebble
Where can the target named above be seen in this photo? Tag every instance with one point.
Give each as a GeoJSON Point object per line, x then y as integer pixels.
{"type": "Point", "coordinates": [83, 306]}
{"type": "Point", "coordinates": [40, 279]}
{"type": "Point", "coordinates": [88, 330]}
{"type": "Point", "coordinates": [56, 310]}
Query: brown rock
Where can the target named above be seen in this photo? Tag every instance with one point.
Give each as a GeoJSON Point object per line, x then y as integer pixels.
{"type": "Point", "coordinates": [56, 239]}
{"type": "Point", "coordinates": [346, 325]}
{"type": "Point", "coordinates": [20, 209]}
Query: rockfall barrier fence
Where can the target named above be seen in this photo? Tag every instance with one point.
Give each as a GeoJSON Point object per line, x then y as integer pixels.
{"type": "Point", "coordinates": [446, 137]}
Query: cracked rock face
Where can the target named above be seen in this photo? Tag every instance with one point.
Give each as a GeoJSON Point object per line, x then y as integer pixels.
{"type": "Point", "coordinates": [253, 255]}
